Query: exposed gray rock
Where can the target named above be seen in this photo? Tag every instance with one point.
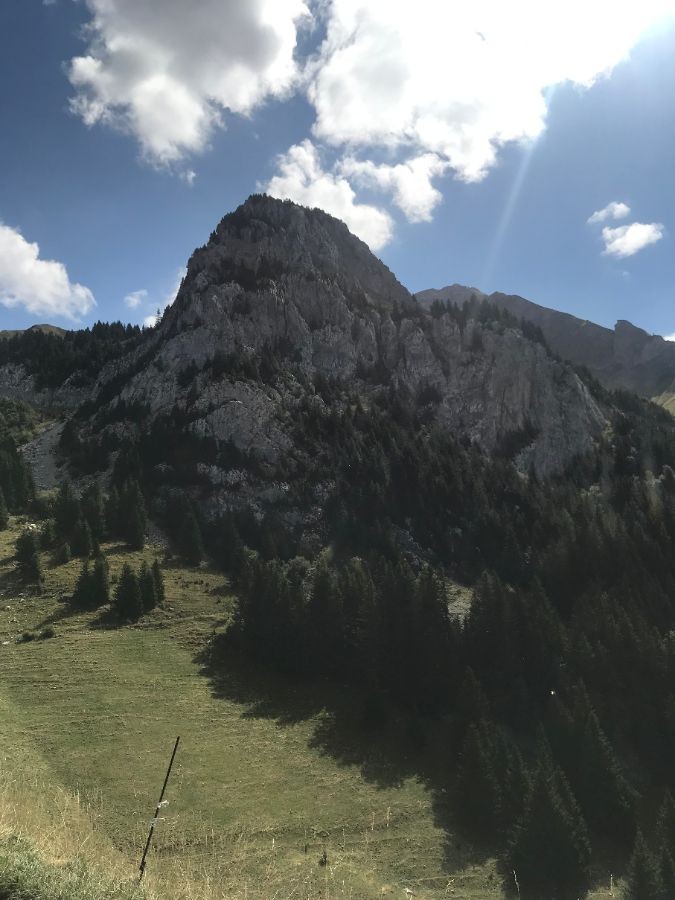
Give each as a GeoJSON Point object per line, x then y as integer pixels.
{"type": "Point", "coordinates": [626, 357]}
{"type": "Point", "coordinates": [276, 277]}
{"type": "Point", "coordinates": [17, 384]}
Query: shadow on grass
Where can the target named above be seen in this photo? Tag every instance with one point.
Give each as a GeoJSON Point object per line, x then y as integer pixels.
{"type": "Point", "coordinates": [386, 752]}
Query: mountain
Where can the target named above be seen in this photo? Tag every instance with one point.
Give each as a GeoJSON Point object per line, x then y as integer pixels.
{"type": "Point", "coordinates": [44, 329]}
{"type": "Point", "coordinates": [626, 357]}
{"type": "Point", "coordinates": [282, 298]}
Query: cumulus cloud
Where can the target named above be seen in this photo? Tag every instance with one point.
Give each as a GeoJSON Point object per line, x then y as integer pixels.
{"type": "Point", "coordinates": [613, 210]}
{"type": "Point", "coordinates": [460, 79]}
{"type": "Point", "coordinates": [134, 299]}
{"type": "Point", "coordinates": [167, 70]}
{"type": "Point", "coordinates": [301, 178]}
{"type": "Point", "coordinates": [41, 286]}
{"type": "Point", "coordinates": [429, 87]}
{"type": "Point", "coordinates": [408, 182]}
{"type": "Point", "coordinates": [626, 240]}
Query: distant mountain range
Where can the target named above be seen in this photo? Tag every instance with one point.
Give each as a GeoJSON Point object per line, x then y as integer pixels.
{"type": "Point", "coordinates": [626, 357]}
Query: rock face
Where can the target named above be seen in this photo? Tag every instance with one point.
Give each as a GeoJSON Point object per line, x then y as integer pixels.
{"type": "Point", "coordinates": [284, 284]}
{"type": "Point", "coordinates": [626, 357]}
{"type": "Point", "coordinates": [17, 384]}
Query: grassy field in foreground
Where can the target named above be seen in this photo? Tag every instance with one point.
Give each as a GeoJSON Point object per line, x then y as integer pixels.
{"type": "Point", "coordinates": [266, 779]}
{"type": "Point", "coordinates": [90, 716]}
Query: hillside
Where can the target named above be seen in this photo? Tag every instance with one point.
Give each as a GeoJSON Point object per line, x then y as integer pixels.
{"type": "Point", "coordinates": [418, 582]}
{"type": "Point", "coordinates": [626, 357]}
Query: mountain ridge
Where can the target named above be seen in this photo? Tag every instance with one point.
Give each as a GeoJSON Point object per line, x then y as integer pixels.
{"type": "Point", "coordinates": [626, 357]}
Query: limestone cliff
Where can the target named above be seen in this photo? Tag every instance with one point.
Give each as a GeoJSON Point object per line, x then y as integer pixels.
{"type": "Point", "coordinates": [278, 281]}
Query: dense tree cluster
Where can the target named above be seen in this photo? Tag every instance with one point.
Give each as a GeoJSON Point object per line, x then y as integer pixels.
{"type": "Point", "coordinates": [558, 685]}
{"type": "Point", "coordinates": [54, 357]}
{"type": "Point", "coordinates": [138, 592]}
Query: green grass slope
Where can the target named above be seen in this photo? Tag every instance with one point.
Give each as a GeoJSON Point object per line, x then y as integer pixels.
{"type": "Point", "coordinates": [263, 784]}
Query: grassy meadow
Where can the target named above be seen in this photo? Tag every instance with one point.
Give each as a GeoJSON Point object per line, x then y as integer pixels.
{"type": "Point", "coordinates": [266, 778]}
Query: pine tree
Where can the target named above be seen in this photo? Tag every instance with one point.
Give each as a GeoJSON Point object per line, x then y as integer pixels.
{"type": "Point", "coordinates": [231, 547]}
{"type": "Point", "coordinates": [146, 584]}
{"type": "Point", "coordinates": [665, 825]}
{"type": "Point", "coordinates": [82, 595]}
{"type": "Point", "coordinates": [4, 512]}
{"type": "Point", "coordinates": [158, 579]}
{"type": "Point", "coordinates": [28, 556]}
{"type": "Point", "coordinates": [134, 519]}
{"type": "Point", "coordinates": [549, 849]}
{"type": "Point", "coordinates": [100, 587]}
{"type": "Point", "coordinates": [135, 529]}
{"type": "Point", "coordinates": [477, 792]}
{"type": "Point", "coordinates": [66, 511]}
{"type": "Point", "coordinates": [127, 600]}
{"type": "Point", "coordinates": [667, 873]}
{"type": "Point", "coordinates": [113, 521]}
{"type": "Point", "coordinates": [93, 510]}
{"type": "Point", "coordinates": [643, 879]}
{"type": "Point", "coordinates": [81, 543]}
{"type": "Point", "coordinates": [608, 801]}
{"type": "Point", "coordinates": [190, 543]}
{"type": "Point", "coordinates": [62, 554]}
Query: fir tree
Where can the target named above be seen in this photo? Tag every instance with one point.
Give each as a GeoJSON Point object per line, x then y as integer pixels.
{"type": "Point", "coordinates": [146, 584]}
{"type": "Point", "coordinates": [66, 511]}
{"type": "Point", "coordinates": [113, 521]}
{"type": "Point", "coordinates": [134, 532]}
{"type": "Point", "coordinates": [643, 879]}
{"type": "Point", "coordinates": [127, 600]}
{"type": "Point", "coordinates": [158, 579]}
{"type": "Point", "coordinates": [28, 556]}
{"type": "Point", "coordinates": [100, 582]}
{"type": "Point", "coordinates": [667, 873]}
{"type": "Point", "coordinates": [93, 511]}
{"type": "Point", "coordinates": [81, 543]}
{"type": "Point", "coordinates": [190, 543]}
{"type": "Point", "coordinates": [606, 798]}
{"type": "Point", "coordinates": [4, 512]}
{"type": "Point", "coordinates": [549, 849]}
{"type": "Point", "coordinates": [665, 825]}
{"type": "Point", "coordinates": [82, 595]}
{"type": "Point", "coordinates": [62, 554]}
{"type": "Point", "coordinates": [477, 793]}
{"type": "Point", "coordinates": [133, 515]}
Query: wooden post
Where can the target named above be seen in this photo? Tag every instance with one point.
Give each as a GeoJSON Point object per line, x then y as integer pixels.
{"type": "Point", "coordinates": [141, 868]}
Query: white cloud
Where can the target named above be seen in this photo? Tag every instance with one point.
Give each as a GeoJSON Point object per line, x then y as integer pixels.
{"type": "Point", "coordinates": [626, 240]}
{"type": "Point", "coordinates": [460, 79]}
{"type": "Point", "coordinates": [409, 182]}
{"type": "Point", "coordinates": [613, 210]}
{"type": "Point", "coordinates": [669, 337]}
{"type": "Point", "coordinates": [302, 178]}
{"type": "Point", "coordinates": [41, 286]}
{"type": "Point", "coordinates": [189, 176]}
{"type": "Point", "coordinates": [438, 86]}
{"type": "Point", "coordinates": [151, 320]}
{"type": "Point", "coordinates": [134, 299]}
{"type": "Point", "coordinates": [166, 70]}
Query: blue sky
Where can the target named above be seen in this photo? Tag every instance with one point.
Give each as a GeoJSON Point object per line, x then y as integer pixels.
{"type": "Point", "coordinates": [463, 146]}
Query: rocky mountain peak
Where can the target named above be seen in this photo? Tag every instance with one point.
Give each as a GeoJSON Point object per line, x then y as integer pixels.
{"type": "Point", "coordinates": [266, 240]}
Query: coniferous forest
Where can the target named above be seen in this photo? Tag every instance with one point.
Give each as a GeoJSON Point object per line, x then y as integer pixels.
{"type": "Point", "coordinates": [551, 701]}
